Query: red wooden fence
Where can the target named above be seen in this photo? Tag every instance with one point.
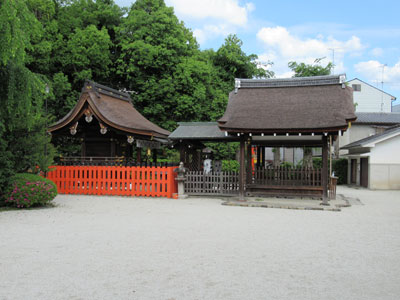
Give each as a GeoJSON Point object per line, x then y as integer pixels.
{"type": "Point", "coordinates": [113, 180]}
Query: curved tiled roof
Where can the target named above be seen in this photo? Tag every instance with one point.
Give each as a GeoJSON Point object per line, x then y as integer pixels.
{"type": "Point", "coordinates": [113, 108]}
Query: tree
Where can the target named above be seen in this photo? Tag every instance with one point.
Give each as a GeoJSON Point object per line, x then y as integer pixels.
{"type": "Point", "coordinates": [22, 125]}
{"type": "Point", "coordinates": [305, 70]}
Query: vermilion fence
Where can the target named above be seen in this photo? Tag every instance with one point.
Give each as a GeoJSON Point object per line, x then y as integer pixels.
{"type": "Point", "coordinates": [114, 180]}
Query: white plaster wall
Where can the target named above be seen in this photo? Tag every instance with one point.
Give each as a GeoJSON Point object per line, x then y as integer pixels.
{"type": "Point", "coordinates": [369, 99]}
{"type": "Point", "coordinates": [384, 176]}
{"type": "Point", "coordinates": [355, 133]}
{"type": "Point", "coordinates": [385, 165]}
{"type": "Point", "coordinates": [386, 152]}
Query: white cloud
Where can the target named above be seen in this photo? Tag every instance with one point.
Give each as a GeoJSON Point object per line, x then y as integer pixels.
{"type": "Point", "coordinates": [285, 47]}
{"type": "Point", "coordinates": [230, 11]}
{"type": "Point", "coordinates": [372, 70]}
{"type": "Point", "coordinates": [222, 16]}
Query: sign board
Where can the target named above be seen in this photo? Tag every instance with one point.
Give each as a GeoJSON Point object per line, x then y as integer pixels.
{"type": "Point", "coordinates": [148, 144]}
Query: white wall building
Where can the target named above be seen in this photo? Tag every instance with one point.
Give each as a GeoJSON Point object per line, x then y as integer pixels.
{"type": "Point", "coordinates": [367, 124]}
{"type": "Point", "coordinates": [369, 98]}
{"type": "Point", "coordinates": [374, 162]}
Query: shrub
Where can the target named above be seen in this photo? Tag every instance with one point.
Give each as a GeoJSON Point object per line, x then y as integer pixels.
{"type": "Point", "coordinates": [230, 166]}
{"type": "Point", "coordinates": [339, 166]}
{"type": "Point", "coordinates": [286, 164]}
{"type": "Point", "coordinates": [28, 190]}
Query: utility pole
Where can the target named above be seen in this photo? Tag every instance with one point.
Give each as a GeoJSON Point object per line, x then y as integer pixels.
{"type": "Point", "coordinates": [383, 70]}
{"type": "Point", "coordinates": [333, 60]}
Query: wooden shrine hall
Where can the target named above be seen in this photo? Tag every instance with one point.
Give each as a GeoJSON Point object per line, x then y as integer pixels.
{"type": "Point", "coordinates": [108, 126]}
{"type": "Point", "coordinates": [293, 112]}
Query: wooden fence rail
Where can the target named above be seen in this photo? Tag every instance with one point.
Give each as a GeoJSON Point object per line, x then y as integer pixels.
{"type": "Point", "coordinates": [287, 176]}
{"type": "Point", "coordinates": [113, 180]}
{"type": "Point", "coordinates": [221, 183]}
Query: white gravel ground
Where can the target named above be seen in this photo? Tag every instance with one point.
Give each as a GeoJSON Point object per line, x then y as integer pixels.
{"type": "Point", "coordinates": [144, 248]}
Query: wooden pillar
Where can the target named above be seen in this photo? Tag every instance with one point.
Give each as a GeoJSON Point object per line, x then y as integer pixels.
{"type": "Point", "coordinates": [182, 153]}
{"type": "Point", "coordinates": [249, 170]}
{"type": "Point", "coordinates": [324, 171]}
{"type": "Point", "coordinates": [258, 156]}
{"type": "Point", "coordinates": [198, 154]}
{"type": "Point", "coordinates": [263, 157]}
{"type": "Point", "coordinates": [242, 169]}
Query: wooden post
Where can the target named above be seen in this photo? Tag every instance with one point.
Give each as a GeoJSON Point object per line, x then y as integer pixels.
{"type": "Point", "coordinates": [263, 157]}
{"type": "Point", "coordinates": [182, 153]}
{"type": "Point", "coordinates": [324, 175]}
{"type": "Point", "coordinates": [259, 156]}
{"type": "Point", "coordinates": [249, 165]}
{"type": "Point", "coordinates": [242, 169]}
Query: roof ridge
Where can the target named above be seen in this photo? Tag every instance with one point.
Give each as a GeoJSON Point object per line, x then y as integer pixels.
{"type": "Point", "coordinates": [289, 82]}
{"type": "Point", "coordinates": [99, 88]}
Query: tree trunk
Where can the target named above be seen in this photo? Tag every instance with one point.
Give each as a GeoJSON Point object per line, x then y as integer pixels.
{"type": "Point", "coordinates": [307, 157]}
{"type": "Point", "coordinates": [277, 157]}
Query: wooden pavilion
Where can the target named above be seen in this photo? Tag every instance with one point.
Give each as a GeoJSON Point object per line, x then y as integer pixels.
{"type": "Point", "coordinates": [294, 112]}
{"type": "Point", "coordinates": [108, 126]}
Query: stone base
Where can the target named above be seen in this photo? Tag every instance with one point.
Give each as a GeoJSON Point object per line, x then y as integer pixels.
{"type": "Point", "coordinates": [183, 196]}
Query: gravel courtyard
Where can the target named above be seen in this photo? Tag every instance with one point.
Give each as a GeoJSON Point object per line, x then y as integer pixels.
{"type": "Point", "coordinates": [145, 248]}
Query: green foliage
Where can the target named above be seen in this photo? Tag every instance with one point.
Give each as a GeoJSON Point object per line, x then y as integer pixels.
{"type": "Point", "coordinates": [224, 151]}
{"type": "Point", "coordinates": [339, 166]}
{"type": "Point", "coordinates": [22, 125]}
{"type": "Point", "coordinates": [317, 162]}
{"type": "Point", "coordinates": [304, 70]}
{"type": "Point", "coordinates": [29, 190]}
{"type": "Point", "coordinates": [87, 54]}
{"type": "Point", "coordinates": [286, 164]}
{"type": "Point", "coordinates": [230, 166]}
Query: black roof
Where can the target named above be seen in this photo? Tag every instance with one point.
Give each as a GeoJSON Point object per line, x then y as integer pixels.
{"type": "Point", "coordinates": [377, 118]}
{"type": "Point", "coordinates": [199, 131]}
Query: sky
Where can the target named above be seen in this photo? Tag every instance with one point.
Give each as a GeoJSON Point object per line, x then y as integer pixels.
{"type": "Point", "coordinates": [362, 38]}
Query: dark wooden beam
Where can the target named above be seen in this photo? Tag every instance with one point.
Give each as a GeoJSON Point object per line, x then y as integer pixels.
{"type": "Point", "coordinates": [249, 166]}
{"type": "Point", "coordinates": [242, 168]}
{"type": "Point", "coordinates": [324, 174]}
{"type": "Point", "coordinates": [258, 156]}
{"type": "Point", "coordinates": [289, 144]}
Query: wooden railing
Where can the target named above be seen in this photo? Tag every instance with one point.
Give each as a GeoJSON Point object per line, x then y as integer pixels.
{"type": "Point", "coordinates": [219, 183]}
{"type": "Point", "coordinates": [287, 176]}
{"type": "Point", "coordinates": [114, 180]}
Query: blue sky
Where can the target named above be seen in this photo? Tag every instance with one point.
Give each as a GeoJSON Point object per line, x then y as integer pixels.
{"type": "Point", "coordinates": [363, 35]}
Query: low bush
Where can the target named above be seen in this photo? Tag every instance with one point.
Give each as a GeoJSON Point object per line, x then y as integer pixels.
{"type": "Point", "coordinates": [339, 166]}
{"type": "Point", "coordinates": [28, 190]}
{"type": "Point", "coordinates": [230, 166]}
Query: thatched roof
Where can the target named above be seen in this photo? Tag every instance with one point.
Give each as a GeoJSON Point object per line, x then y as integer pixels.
{"type": "Point", "coordinates": [111, 107]}
{"type": "Point", "coordinates": [308, 104]}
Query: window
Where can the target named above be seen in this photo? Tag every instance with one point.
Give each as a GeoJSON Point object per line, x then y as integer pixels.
{"type": "Point", "coordinates": [356, 87]}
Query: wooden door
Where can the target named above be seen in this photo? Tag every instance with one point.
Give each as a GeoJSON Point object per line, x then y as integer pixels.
{"type": "Point", "coordinates": [364, 172]}
{"type": "Point", "coordinates": [353, 171]}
